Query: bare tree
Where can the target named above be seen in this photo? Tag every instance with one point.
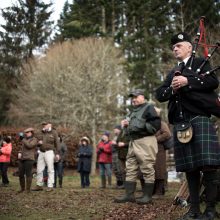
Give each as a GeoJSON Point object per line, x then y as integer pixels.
{"type": "Point", "coordinates": [76, 85]}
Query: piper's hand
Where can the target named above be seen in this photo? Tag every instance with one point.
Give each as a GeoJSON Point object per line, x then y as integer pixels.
{"type": "Point", "coordinates": [40, 142]}
{"type": "Point", "coordinates": [178, 82]}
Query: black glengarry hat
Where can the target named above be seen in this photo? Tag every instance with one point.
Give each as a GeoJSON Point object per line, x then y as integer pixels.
{"type": "Point", "coordinates": [180, 37]}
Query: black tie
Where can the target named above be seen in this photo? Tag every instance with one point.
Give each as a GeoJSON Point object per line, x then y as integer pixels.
{"type": "Point", "coordinates": [181, 66]}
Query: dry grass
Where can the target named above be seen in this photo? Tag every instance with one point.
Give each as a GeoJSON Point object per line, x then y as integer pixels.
{"type": "Point", "coordinates": [73, 202]}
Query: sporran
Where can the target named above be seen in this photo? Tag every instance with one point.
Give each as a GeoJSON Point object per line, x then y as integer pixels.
{"type": "Point", "coordinates": [184, 132]}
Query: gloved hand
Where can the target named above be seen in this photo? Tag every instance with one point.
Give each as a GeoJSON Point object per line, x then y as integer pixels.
{"type": "Point", "coordinates": [101, 149]}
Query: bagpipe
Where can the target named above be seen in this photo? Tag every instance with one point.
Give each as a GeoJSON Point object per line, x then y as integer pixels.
{"type": "Point", "coordinates": [209, 101]}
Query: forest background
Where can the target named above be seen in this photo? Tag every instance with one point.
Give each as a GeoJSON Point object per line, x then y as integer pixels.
{"type": "Point", "coordinates": [79, 77]}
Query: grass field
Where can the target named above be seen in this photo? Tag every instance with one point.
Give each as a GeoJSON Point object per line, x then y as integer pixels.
{"type": "Point", "coordinates": [73, 202]}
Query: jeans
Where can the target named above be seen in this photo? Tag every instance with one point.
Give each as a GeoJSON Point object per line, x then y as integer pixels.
{"type": "Point", "coordinates": [105, 169]}
{"type": "Point", "coordinates": [4, 173]}
{"type": "Point", "coordinates": [58, 169]}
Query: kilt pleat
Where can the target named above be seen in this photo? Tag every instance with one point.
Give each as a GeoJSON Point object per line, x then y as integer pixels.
{"type": "Point", "coordinates": [202, 151]}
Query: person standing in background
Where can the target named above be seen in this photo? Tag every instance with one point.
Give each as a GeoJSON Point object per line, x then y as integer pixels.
{"type": "Point", "coordinates": [116, 165]}
{"type": "Point", "coordinates": [26, 157]}
{"type": "Point", "coordinates": [104, 158]}
{"type": "Point", "coordinates": [59, 164]}
{"type": "Point", "coordinates": [5, 156]}
{"type": "Point", "coordinates": [160, 166]}
{"type": "Point", "coordinates": [48, 152]}
{"type": "Point", "coordinates": [85, 161]}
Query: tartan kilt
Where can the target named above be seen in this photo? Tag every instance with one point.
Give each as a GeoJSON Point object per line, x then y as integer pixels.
{"type": "Point", "coordinates": [202, 151]}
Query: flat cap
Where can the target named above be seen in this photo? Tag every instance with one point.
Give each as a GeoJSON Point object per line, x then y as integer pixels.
{"type": "Point", "coordinates": [46, 122]}
{"type": "Point", "coordinates": [136, 92]}
{"type": "Point", "coordinates": [180, 37]}
{"type": "Point", "coordinates": [28, 130]}
{"type": "Point", "coordinates": [117, 127]}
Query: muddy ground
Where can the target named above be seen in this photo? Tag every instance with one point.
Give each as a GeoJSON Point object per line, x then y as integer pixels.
{"type": "Point", "coordinates": [73, 202]}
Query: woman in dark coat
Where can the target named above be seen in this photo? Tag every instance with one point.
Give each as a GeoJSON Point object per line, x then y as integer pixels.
{"type": "Point", "coordinates": [85, 161]}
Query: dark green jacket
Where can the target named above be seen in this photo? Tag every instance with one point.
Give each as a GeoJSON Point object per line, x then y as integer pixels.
{"type": "Point", "coordinates": [143, 121]}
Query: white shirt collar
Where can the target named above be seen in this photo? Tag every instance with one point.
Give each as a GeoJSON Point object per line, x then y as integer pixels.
{"type": "Point", "coordinates": [185, 60]}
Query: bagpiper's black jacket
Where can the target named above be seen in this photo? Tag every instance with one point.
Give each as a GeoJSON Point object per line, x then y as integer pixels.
{"type": "Point", "coordinates": [196, 98]}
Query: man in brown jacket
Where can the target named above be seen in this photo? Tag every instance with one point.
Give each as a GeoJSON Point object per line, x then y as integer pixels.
{"type": "Point", "coordinates": [26, 159]}
{"type": "Point", "coordinates": [48, 151]}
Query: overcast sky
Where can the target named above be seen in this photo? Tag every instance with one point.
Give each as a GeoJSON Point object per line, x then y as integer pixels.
{"type": "Point", "coordinates": [57, 7]}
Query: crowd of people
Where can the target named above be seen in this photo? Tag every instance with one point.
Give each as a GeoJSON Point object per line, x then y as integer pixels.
{"type": "Point", "coordinates": [136, 151]}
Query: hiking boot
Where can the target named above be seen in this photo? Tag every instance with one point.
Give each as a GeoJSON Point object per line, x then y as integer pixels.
{"type": "Point", "coordinates": [22, 184]}
{"type": "Point", "coordinates": [28, 184]}
{"type": "Point", "coordinates": [38, 188]}
{"type": "Point", "coordinates": [49, 189]}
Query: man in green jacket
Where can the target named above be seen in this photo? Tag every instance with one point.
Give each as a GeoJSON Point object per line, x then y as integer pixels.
{"type": "Point", "coordinates": [141, 126]}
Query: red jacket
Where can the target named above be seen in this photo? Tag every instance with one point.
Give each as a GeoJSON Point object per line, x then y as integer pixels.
{"type": "Point", "coordinates": [105, 155]}
{"type": "Point", "coordinates": [5, 153]}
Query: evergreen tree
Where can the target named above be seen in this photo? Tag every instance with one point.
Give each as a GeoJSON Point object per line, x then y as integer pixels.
{"type": "Point", "coordinates": [27, 28]}
{"type": "Point", "coordinates": [142, 28]}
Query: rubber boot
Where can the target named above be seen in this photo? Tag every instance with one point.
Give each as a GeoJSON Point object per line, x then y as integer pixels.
{"type": "Point", "coordinates": [103, 182]}
{"type": "Point", "coordinates": [61, 182]}
{"type": "Point", "coordinates": [22, 184]}
{"type": "Point", "coordinates": [129, 193]}
{"type": "Point", "coordinates": [210, 182]}
{"type": "Point", "coordinates": [120, 184]}
{"type": "Point", "coordinates": [28, 184]}
{"type": "Point", "coordinates": [147, 194]}
{"type": "Point", "coordinates": [142, 182]}
{"type": "Point", "coordinates": [110, 181]}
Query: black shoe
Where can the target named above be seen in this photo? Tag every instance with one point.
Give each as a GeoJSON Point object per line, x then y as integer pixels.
{"type": "Point", "coordinates": [4, 184]}
{"type": "Point", "coordinates": [191, 215]}
{"type": "Point", "coordinates": [209, 215]}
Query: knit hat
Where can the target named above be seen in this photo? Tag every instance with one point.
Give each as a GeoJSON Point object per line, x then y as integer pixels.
{"type": "Point", "coordinates": [107, 133]}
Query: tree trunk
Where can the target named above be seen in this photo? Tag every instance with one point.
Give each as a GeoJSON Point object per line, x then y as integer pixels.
{"type": "Point", "coordinates": [93, 171]}
{"type": "Point", "coordinates": [113, 17]}
{"type": "Point", "coordinates": [103, 20]}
